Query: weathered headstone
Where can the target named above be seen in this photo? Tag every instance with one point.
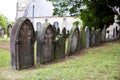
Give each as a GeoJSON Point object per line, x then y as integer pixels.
{"type": "Point", "coordinates": [64, 32]}
{"type": "Point", "coordinates": [98, 37]}
{"type": "Point", "coordinates": [9, 29]}
{"type": "Point", "coordinates": [104, 34]}
{"type": "Point", "coordinates": [87, 37]}
{"type": "Point", "coordinates": [82, 38]}
{"type": "Point", "coordinates": [93, 37]}
{"type": "Point", "coordinates": [45, 44]}
{"type": "Point", "coordinates": [2, 32]}
{"type": "Point", "coordinates": [73, 40]}
{"type": "Point", "coordinates": [60, 44]}
{"type": "Point", "coordinates": [22, 44]}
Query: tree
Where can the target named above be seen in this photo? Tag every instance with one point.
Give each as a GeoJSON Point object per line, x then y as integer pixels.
{"type": "Point", "coordinates": [3, 21]}
{"type": "Point", "coordinates": [93, 13]}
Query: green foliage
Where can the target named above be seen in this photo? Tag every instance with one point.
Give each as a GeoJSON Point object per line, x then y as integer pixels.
{"type": "Point", "coordinates": [3, 22]}
{"type": "Point", "coordinates": [94, 13]}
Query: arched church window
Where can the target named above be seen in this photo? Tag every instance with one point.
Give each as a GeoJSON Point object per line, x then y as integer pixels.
{"type": "Point", "coordinates": [38, 25]}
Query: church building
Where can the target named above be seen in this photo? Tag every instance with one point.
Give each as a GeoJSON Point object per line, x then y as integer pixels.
{"type": "Point", "coordinates": [40, 11]}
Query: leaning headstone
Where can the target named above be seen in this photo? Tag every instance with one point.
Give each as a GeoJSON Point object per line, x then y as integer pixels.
{"type": "Point", "coordinates": [93, 37]}
{"type": "Point", "coordinates": [57, 30]}
{"type": "Point", "coordinates": [98, 37]}
{"type": "Point", "coordinates": [87, 37]}
{"type": "Point", "coordinates": [82, 38]}
{"type": "Point", "coordinates": [22, 44]}
{"type": "Point", "coordinates": [9, 29]}
{"type": "Point", "coordinates": [104, 34]}
{"type": "Point", "coordinates": [73, 40]}
{"type": "Point", "coordinates": [64, 32]}
{"type": "Point", "coordinates": [60, 47]}
{"type": "Point", "coordinates": [45, 44]}
{"type": "Point", "coordinates": [60, 42]}
{"type": "Point", "coordinates": [2, 32]}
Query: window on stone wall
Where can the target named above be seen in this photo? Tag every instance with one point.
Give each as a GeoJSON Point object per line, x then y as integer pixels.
{"type": "Point", "coordinates": [38, 25]}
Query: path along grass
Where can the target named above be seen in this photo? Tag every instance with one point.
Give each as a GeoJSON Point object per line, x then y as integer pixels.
{"type": "Point", "coordinates": [98, 63]}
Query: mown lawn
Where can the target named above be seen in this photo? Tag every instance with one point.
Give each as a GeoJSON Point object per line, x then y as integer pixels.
{"type": "Point", "coordinates": [97, 63]}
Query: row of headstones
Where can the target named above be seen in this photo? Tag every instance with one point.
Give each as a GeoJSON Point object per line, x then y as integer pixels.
{"type": "Point", "coordinates": [51, 44]}
{"type": "Point", "coordinates": [2, 31]}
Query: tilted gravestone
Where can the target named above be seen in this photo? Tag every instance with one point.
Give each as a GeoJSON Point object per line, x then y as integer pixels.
{"type": "Point", "coordinates": [98, 37]}
{"type": "Point", "coordinates": [2, 32]}
{"type": "Point", "coordinates": [45, 44]}
{"type": "Point", "coordinates": [60, 42]}
{"type": "Point", "coordinates": [22, 44]}
{"type": "Point", "coordinates": [58, 31]}
{"type": "Point", "coordinates": [87, 37]}
{"type": "Point", "coordinates": [104, 34]}
{"type": "Point", "coordinates": [73, 40]}
{"type": "Point", "coordinates": [82, 38]}
{"type": "Point", "coordinates": [93, 37]}
{"type": "Point", "coordinates": [9, 29]}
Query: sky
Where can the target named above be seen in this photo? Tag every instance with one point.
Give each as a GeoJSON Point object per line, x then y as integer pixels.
{"type": "Point", "coordinates": [8, 8]}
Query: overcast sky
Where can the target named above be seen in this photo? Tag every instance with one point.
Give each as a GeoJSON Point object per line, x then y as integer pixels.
{"type": "Point", "coordinates": [8, 8]}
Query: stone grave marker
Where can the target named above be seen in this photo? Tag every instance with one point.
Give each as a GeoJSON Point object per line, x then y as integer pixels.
{"type": "Point", "coordinates": [60, 45]}
{"type": "Point", "coordinates": [93, 37]}
{"type": "Point", "coordinates": [98, 37]}
{"type": "Point", "coordinates": [9, 29]}
{"type": "Point", "coordinates": [87, 37]}
{"type": "Point", "coordinates": [2, 32]}
{"type": "Point", "coordinates": [104, 34]}
{"type": "Point", "coordinates": [82, 38]}
{"type": "Point", "coordinates": [73, 40]}
{"type": "Point", "coordinates": [45, 44]}
{"type": "Point", "coordinates": [22, 44]}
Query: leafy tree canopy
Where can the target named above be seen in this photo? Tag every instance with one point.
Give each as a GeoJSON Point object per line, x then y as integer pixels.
{"type": "Point", "coordinates": [93, 13]}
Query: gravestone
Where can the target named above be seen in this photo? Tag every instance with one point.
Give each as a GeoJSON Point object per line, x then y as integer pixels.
{"type": "Point", "coordinates": [98, 37]}
{"type": "Point", "coordinates": [104, 34]}
{"type": "Point", "coordinates": [87, 37]}
{"type": "Point", "coordinates": [82, 38]}
{"type": "Point", "coordinates": [45, 44]}
{"type": "Point", "coordinates": [60, 45]}
{"type": "Point", "coordinates": [73, 40]}
{"type": "Point", "coordinates": [2, 32]}
{"type": "Point", "coordinates": [9, 29]}
{"type": "Point", "coordinates": [22, 44]}
{"type": "Point", "coordinates": [93, 37]}
{"type": "Point", "coordinates": [57, 31]}
{"type": "Point", "coordinates": [64, 32]}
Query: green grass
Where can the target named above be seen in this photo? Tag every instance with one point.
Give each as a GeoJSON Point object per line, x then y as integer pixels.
{"type": "Point", "coordinates": [98, 63]}
{"type": "Point", "coordinates": [4, 39]}
{"type": "Point", "coordinates": [4, 58]}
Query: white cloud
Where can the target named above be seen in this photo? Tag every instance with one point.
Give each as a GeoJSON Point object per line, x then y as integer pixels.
{"type": "Point", "coordinates": [8, 8]}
